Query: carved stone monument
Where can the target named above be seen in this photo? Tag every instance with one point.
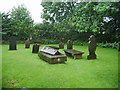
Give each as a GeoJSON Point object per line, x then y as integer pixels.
{"type": "Point", "coordinates": [27, 44]}
{"type": "Point", "coordinates": [35, 48]}
{"type": "Point", "coordinates": [92, 48]}
{"type": "Point", "coordinates": [61, 45]}
{"type": "Point", "coordinates": [69, 44]}
{"type": "Point", "coordinates": [12, 43]}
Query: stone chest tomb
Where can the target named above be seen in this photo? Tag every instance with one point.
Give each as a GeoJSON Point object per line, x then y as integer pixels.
{"type": "Point", "coordinates": [52, 55]}
{"type": "Point", "coordinates": [73, 53]}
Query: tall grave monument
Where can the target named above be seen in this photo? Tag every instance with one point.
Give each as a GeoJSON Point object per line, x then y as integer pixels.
{"type": "Point", "coordinates": [92, 48]}
{"type": "Point", "coordinates": [12, 43]}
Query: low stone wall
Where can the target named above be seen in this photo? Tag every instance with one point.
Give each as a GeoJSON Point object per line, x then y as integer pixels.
{"type": "Point", "coordinates": [7, 42]}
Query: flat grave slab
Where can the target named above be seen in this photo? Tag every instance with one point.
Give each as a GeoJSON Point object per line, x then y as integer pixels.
{"type": "Point", "coordinates": [73, 53]}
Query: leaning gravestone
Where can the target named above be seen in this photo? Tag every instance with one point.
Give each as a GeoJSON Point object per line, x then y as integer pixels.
{"type": "Point", "coordinates": [35, 48]}
{"type": "Point", "coordinates": [69, 44]}
{"type": "Point", "coordinates": [92, 48]}
{"type": "Point", "coordinates": [12, 43]}
{"type": "Point", "coordinates": [61, 45]}
{"type": "Point", "coordinates": [27, 44]}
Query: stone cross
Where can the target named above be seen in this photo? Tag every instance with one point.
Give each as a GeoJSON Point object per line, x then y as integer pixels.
{"type": "Point", "coordinates": [27, 44]}
{"type": "Point", "coordinates": [69, 44]}
{"type": "Point", "coordinates": [92, 48]}
{"type": "Point", "coordinates": [12, 43]}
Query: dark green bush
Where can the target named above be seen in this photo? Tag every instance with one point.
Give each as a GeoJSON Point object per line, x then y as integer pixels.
{"type": "Point", "coordinates": [81, 43]}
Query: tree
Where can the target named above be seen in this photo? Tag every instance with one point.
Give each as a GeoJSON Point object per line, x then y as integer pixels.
{"type": "Point", "coordinates": [6, 25]}
{"type": "Point", "coordinates": [89, 17]}
{"type": "Point", "coordinates": [22, 23]}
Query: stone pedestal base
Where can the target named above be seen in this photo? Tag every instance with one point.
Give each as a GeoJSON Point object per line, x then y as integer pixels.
{"type": "Point", "coordinates": [92, 56]}
{"type": "Point", "coordinates": [79, 56]}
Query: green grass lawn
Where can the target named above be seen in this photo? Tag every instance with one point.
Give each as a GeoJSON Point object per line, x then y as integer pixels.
{"type": "Point", "coordinates": [23, 69]}
{"type": "Point", "coordinates": [0, 66]}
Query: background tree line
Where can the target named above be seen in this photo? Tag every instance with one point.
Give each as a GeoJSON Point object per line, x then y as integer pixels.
{"type": "Point", "coordinates": [17, 22]}
{"type": "Point", "coordinates": [65, 20]}
{"type": "Point", "coordinates": [77, 21]}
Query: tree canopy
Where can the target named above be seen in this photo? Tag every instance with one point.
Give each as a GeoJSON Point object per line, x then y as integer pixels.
{"type": "Point", "coordinates": [17, 22]}
{"type": "Point", "coordinates": [91, 17]}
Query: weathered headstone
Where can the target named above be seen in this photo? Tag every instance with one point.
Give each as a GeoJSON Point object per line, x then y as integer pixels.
{"type": "Point", "coordinates": [27, 44]}
{"type": "Point", "coordinates": [61, 45]}
{"type": "Point", "coordinates": [69, 44]}
{"type": "Point", "coordinates": [35, 48]}
{"type": "Point", "coordinates": [92, 48]}
{"type": "Point", "coordinates": [12, 43]}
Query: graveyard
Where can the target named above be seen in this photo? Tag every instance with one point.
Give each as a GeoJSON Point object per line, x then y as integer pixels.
{"type": "Point", "coordinates": [24, 69]}
{"type": "Point", "coordinates": [70, 45]}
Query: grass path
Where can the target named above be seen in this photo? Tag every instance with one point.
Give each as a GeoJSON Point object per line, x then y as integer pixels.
{"type": "Point", "coordinates": [23, 69]}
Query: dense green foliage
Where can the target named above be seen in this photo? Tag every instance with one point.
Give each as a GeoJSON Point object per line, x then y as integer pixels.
{"type": "Point", "coordinates": [17, 22]}
{"type": "Point", "coordinates": [98, 18]}
{"type": "Point", "coordinates": [23, 69]}
{"type": "Point", "coordinates": [65, 20]}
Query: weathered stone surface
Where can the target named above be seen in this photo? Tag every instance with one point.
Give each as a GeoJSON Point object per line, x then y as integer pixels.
{"type": "Point", "coordinates": [73, 53]}
{"type": "Point", "coordinates": [35, 48]}
{"type": "Point", "coordinates": [92, 47]}
{"type": "Point", "coordinates": [49, 50]}
{"type": "Point", "coordinates": [54, 47]}
{"type": "Point", "coordinates": [27, 44]}
{"type": "Point", "coordinates": [69, 44]}
{"type": "Point", "coordinates": [12, 43]}
{"type": "Point", "coordinates": [52, 55]}
{"type": "Point", "coordinates": [61, 45]}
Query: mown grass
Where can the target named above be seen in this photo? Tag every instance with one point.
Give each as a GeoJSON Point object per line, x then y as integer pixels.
{"type": "Point", "coordinates": [0, 66]}
{"type": "Point", "coordinates": [23, 69]}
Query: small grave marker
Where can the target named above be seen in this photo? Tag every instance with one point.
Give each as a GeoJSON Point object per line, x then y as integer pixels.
{"type": "Point", "coordinates": [35, 48]}
{"type": "Point", "coordinates": [61, 45]}
{"type": "Point", "coordinates": [27, 44]}
{"type": "Point", "coordinates": [69, 44]}
{"type": "Point", "coordinates": [12, 43]}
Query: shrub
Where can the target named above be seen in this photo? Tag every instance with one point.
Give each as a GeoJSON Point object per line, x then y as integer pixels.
{"type": "Point", "coordinates": [77, 42]}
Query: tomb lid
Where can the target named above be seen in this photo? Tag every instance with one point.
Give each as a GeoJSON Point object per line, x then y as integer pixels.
{"type": "Point", "coordinates": [49, 50]}
{"type": "Point", "coordinates": [54, 47]}
{"type": "Point", "coordinates": [72, 51]}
